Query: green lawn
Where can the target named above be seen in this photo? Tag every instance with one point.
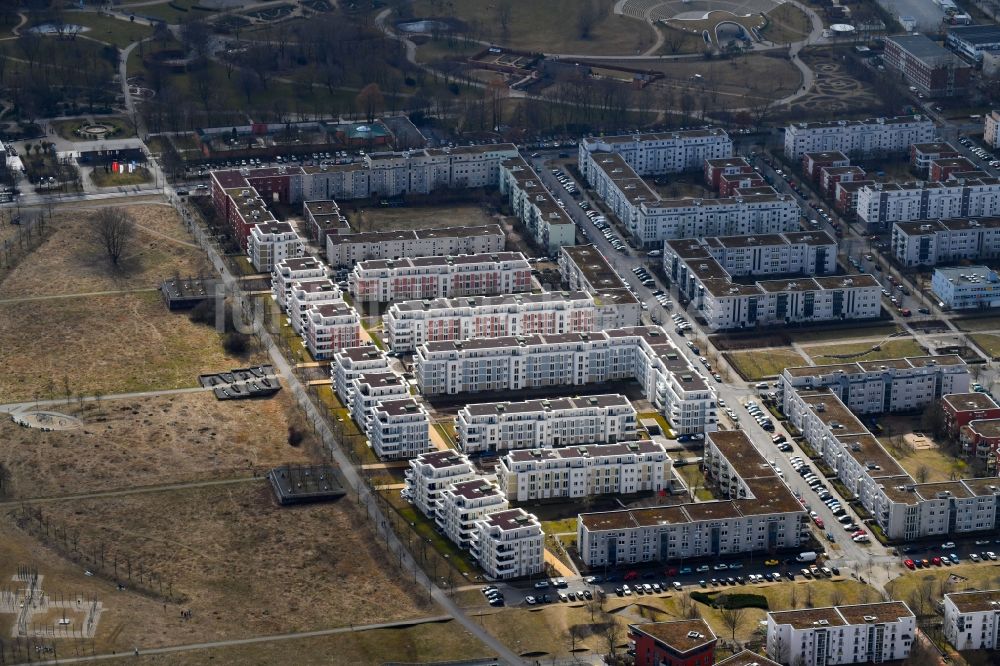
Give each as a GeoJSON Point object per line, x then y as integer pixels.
{"type": "Point", "coordinates": [108, 179]}
{"type": "Point", "coordinates": [110, 30]}
{"type": "Point", "coordinates": [66, 128]}
{"type": "Point", "coordinates": [694, 478]}
{"type": "Point", "coordinates": [978, 576]}
{"type": "Point", "coordinates": [165, 12]}
{"type": "Point", "coordinates": [564, 526]}
{"type": "Point", "coordinates": [786, 23]}
{"type": "Point", "coordinates": [426, 530]}
{"type": "Point", "coordinates": [668, 432]}
{"type": "Point", "coordinates": [988, 342]}
{"type": "Point", "coordinates": [764, 363]}
{"type": "Point", "coordinates": [856, 351]}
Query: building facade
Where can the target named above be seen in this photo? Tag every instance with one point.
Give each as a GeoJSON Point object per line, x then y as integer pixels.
{"type": "Point", "coordinates": [858, 137]}
{"type": "Point", "coordinates": [584, 268]}
{"type": "Point", "coordinates": [679, 643]}
{"type": "Point", "coordinates": [664, 152]}
{"type": "Point", "coordinates": [882, 204]}
{"type": "Point", "coordinates": [972, 620]}
{"type": "Point", "coordinates": [399, 429]}
{"type": "Point", "coordinates": [330, 327]}
{"type": "Point", "coordinates": [307, 293]}
{"type": "Point", "coordinates": [509, 544]}
{"type": "Point", "coordinates": [350, 363]}
{"type": "Point", "coordinates": [293, 270]}
{"type": "Point", "coordinates": [966, 287]}
{"type": "Point", "coordinates": [547, 223]}
{"type": "Point", "coordinates": [271, 243]}
{"type": "Point", "coordinates": [369, 389]}
{"type": "Point", "coordinates": [430, 473]}
{"type": "Point", "coordinates": [927, 66]}
{"type": "Point", "coordinates": [933, 242]}
{"type": "Point", "coordinates": [505, 426]}
{"type": "Point", "coordinates": [460, 505]}
{"type": "Point", "coordinates": [346, 250]}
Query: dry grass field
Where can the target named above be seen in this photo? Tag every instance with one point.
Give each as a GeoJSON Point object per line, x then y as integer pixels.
{"type": "Point", "coordinates": [151, 441]}
{"type": "Point", "coordinates": [244, 565]}
{"type": "Point", "coordinates": [70, 263]}
{"type": "Point", "coordinates": [862, 351]}
{"type": "Point", "coordinates": [418, 217]}
{"type": "Point", "coordinates": [427, 642]}
{"type": "Point", "coordinates": [762, 363]}
{"type": "Point", "coordinates": [112, 344]}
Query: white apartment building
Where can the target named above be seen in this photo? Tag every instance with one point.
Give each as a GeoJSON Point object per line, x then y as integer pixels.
{"type": "Point", "coordinates": [644, 353]}
{"type": "Point", "coordinates": [966, 287]}
{"type": "Point", "coordinates": [271, 243]}
{"type": "Point", "coordinates": [322, 219]}
{"type": "Point", "coordinates": [399, 428]}
{"type": "Point", "coordinates": [383, 280]}
{"type": "Point", "coordinates": [881, 204]}
{"type": "Point", "coordinates": [347, 250]}
{"type": "Point", "coordinates": [509, 544]}
{"type": "Point", "coordinates": [548, 223]}
{"type": "Point", "coordinates": [932, 242]}
{"type": "Point", "coordinates": [430, 473]}
{"type": "Point", "coordinates": [858, 137]}
{"type": "Point", "coordinates": [460, 505]}
{"type": "Point", "coordinates": [584, 268]}
{"type": "Point", "coordinates": [660, 152]}
{"type": "Point", "coordinates": [765, 518]}
{"type": "Point", "coordinates": [972, 620]}
{"type": "Point", "coordinates": [651, 220]}
{"type": "Point", "coordinates": [352, 362]}
{"type": "Point", "coordinates": [725, 304]}
{"type": "Point", "coordinates": [805, 252]}
{"type": "Point", "coordinates": [390, 174]}
{"type": "Point", "coordinates": [530, 424]}
{"type": "Point", "coordinates": [411, 323]}
{"type": "Point", "coordinates": [309, 292]}
{"type": "Point", "coordinates": [293, 270]}
{"type": "Point", "coordinates": [856, 634]}
{"type": "Point", "coordinates": [331, 327]}
{"type": "Point", "coordinates": [623, 468]}
{"type": "Point", "coordinates": [991, 129]}
{"type": "Point", "coordinates": [368, 389]}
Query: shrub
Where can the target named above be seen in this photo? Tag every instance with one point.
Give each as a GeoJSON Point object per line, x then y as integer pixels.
{"type": "Point", "coordinates": [295, 435]}
{"type": "Point", "coordinates": [738, 600]}
{"type": "Point", "coordinates": [235, 343]}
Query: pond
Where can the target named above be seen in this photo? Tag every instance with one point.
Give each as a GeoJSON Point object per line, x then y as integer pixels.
{"type": "Point", "coordinates": [423, 26]}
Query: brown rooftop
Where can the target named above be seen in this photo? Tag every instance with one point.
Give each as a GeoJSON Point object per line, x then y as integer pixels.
{"type": "Point", "coordinates": [978, 601]}
{"type": "Point", "coordinates": [886, 611]}
{"type": "Point", "coordinates": [809, 618]}
{"type": "Point", "coordinates": [681, 636]}
{"type": "Point", "coordinates": [969, 402]}
{"type": "Point", "coordinates": [746, 658]}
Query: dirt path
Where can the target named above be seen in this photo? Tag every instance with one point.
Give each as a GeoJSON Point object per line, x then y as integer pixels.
{"type": "Point", "coordinates": [113, 292]}
{"type": "Point", "coordinates": [132, 491]}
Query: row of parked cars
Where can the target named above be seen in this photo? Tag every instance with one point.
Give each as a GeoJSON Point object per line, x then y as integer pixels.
{"type": "Point", "coordinates": [980, 152]}
{"type": "Point", "coordinates": [565, 181]}
{"type": "Point", "coordinates": [759, 415]}
{"type": "Point", "coordinates": [627, 590]}
{"type": "Point", "coordinates": [816, 484]}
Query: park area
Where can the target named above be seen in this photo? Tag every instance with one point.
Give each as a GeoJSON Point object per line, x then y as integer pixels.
{"type": "Point", "coordinates": [418, 217]}
{"type": "Point", "coordinates": [763, 363]}
{"type": "Point", "coordinates": [864, 351]}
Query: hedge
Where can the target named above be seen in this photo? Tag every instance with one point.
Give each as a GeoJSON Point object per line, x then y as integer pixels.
{"type": "Point", "coordinates": [724, 600]}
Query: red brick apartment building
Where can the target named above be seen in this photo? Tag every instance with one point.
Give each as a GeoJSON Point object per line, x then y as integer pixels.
{"type": "Point", "coordinates": [962, 408]}
{"type": "Point", "coordinates": [681, 643]}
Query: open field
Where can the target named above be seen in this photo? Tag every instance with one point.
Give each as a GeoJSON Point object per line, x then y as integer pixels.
{"type": "Point", "coordinates": [102, 178]}
{"type": "Point", "coordinates": [107, 344]}
{"type": "Point", "coordinates": [546, 26]}
{"type": "Point", "coordinates": [762, 363]}
{"type": "Point", "coordinates": [243, 565]}
{"type": "Point", "coordinates": [978, 576]}
{"type": "Point", "coordinates": [70, 262]}
{"type": "Point", "coordinates": [109, 29]}
{"type": "Point", "coordinates": [786, 23]}
{"type": "Point", "coordinates": [978, 323]}
{"type": "Point", "coordinates": [427, 642]}
{"type": "Point", "coordinates": [66, 128]}
{"type": "Point", "coordinates": [862, 351]}
{"type": "Point", "coordinates": [150, 441]}
{"type": "Point", "coordinates": [542, 632]}
{"type": "Point", "coordinates": [418, 217]}
{"type": "Point", "coordinates": [916, 452]}
{"type": "Point", "coordinates": [165, 12]}
{"type": "Point", "coordinates": [988, 342]}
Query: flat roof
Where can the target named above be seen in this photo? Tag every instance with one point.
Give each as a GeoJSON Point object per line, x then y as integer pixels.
{"type": "Point", "coordinates": [835, 414]}
{"type": "Point", "coordinates": [983, 487]}
{"type": "Point", "coordinates": [399, 407]}
{"type": "Point", "coordinates": [512, 519]}
{"type": "Point", "coordinates": [809, 618]}
{"type": "Point", "coordinates": [869, 452]}
{"type": "Point", "coordinates": [934, 147]}
{"type": "Point", "coordinates": [985, 427]}
{"type": "Point", "coordinates": [976, 34]}
{"type": "Point", "coordinates": [594, 266]}
{"type": "Point", "coordinates": [476, 489]}
{"type": "Point", "coordinates": [746, 658]}
{"type": "Point", "coordinates": [555, 404]}
{"type": "Point", "coordinates": [893, 120]}
{"type": "Point", "coordinates": [885, 611]}
{"type": "Point", "coordinates": [977, 601]}
{"type": "Point", "coordinates": [897, 489]}
{"type": "Point", "coordinates": [742, 455]}
{"type": "Point", "coordinates": [427, 305]}
{"type": "Point", "coordinates": [947, 489]}
{"type": "Point", "coordinates": [969, 402]}
{"type": "Point", "coordinates": [363, 353]}
{"type": "Point", "coordinates": [440, 260]}
{"type": "Point", "coordinates": [826, 156]}
{"type": "Point", "coordinates": [657, 136]}
{"type": "Point", "coordinates": [682, 636]}
{"type": "Point", "coordinates": [300, 264]}
{"type": "Point", "coordinates": [641, 446]}
{"type": "Point", "coordinates": [442, 459]}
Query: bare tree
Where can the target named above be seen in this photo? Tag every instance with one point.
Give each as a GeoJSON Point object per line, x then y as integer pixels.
{"type": "Point", "coordinates": [114, 229]}
{"type": "Point", "coordinates": [836, 595]}
{"type": "Point", "coordinates": [733, 618]}
{"type": "Point", "coordinates": [612, 635]}
{"type": "Point", "coordinates": [922, 473]}
{"type": "Point", "coordinates": [370, 101]}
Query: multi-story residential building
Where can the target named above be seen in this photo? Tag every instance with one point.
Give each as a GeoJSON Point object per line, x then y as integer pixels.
{"type": "Point", "coordinates": [766, 517]}
{"type": "Point", "coordinates": [505, 426]}
{"type": "Point", "coordinates": [991, 129]}
{"type": "Point", "coordinates": [814, 162]}
{"type": "Point", "coordinates": [293, 270]}
{"type": "Point", "coordinates": [460, 505]}
{"type": "Point", "coordinates": [644, 353]}
{"type": "Point", "coordinates": [805, 252]}
{"type": "Point", "coordinates": [947, 168]}
{"type": "Point", "coordinates": [972, 41]}
{"type": "Point", "coordinates": [932, 242]}
{"type": "Point", "coordinates": [830, 176]}
{"type": "Point", "coordinates": [922, 154]}
{"type": "Point", "coordinates": [271, 243]}
{"type": "Point", "coordinates": [881, 204]}
{"type": "Point", "coordinates": [858, 137]}
{"type": "Point", "coordinates": [927, 66]}
{"type": "Point", "coordinates": [678, 643]}
{"type": "Point", "coordinates": [972, 620]}
{"type": "Point", "coordinates": [981, 439]}
{"type": "Point", "coordinates": [239, 203]}
{"type": "Point", "coordinates": [622, 468]}
{"type": "Point", "coordinates": [845, 196]}
{"type": "Point", "coordinates": [584, 268]}
{"type": "Point", "coordinates": [857, 634]}
{"type": "Point", "coordinates": [382, 280]}
{"type": "Point", "coordinates": [430, 473]}
{"type": "Point", "coordinates": [650, 219]}
{"type": "Point", "coordinates": [966, 287]}
{"type": "Point", "coordinates": [726, 304]}
{"type": "Point", "coordinates": [728, 174]}
{"type": "Point", "coordinates": [412, 323]}
{"type": "Point", "coordinates": [331, 327]}
{"type": "Point", "coordinates": [509, 544]}
{"type": "Point", "coordinates": [322, 219]}
{"type": "Point", "coordinates": [548, 224]}
{"type": "Point", "coordinates": [399, 428]}
{"type": "Point", "coordinates": [352, 362]}
{"type": "Point", "coordinates": [662, 152]}
{"type": "Point", "coordinates": [960, 409]}
{"type": "Point", "coordinates": [369, 389]}
{"type": "Point", "coordinates": [309, 292]}
{"type": "Point", "coordinates": [889, 385]}
{"type": "Point", "coordinates": [347, 250]}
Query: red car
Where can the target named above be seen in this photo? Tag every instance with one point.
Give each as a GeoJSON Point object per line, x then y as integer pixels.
{"type": "Point", "coordinates": [818, 521]}
{"type": "Point", "coordinates": [671, 571]}
{"type": "Point", "coordinates": [909, 564]}
{"type": "Point", "coordinates": [632, 575]}
{"type": "Point", "coordinates": [936, 561]}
